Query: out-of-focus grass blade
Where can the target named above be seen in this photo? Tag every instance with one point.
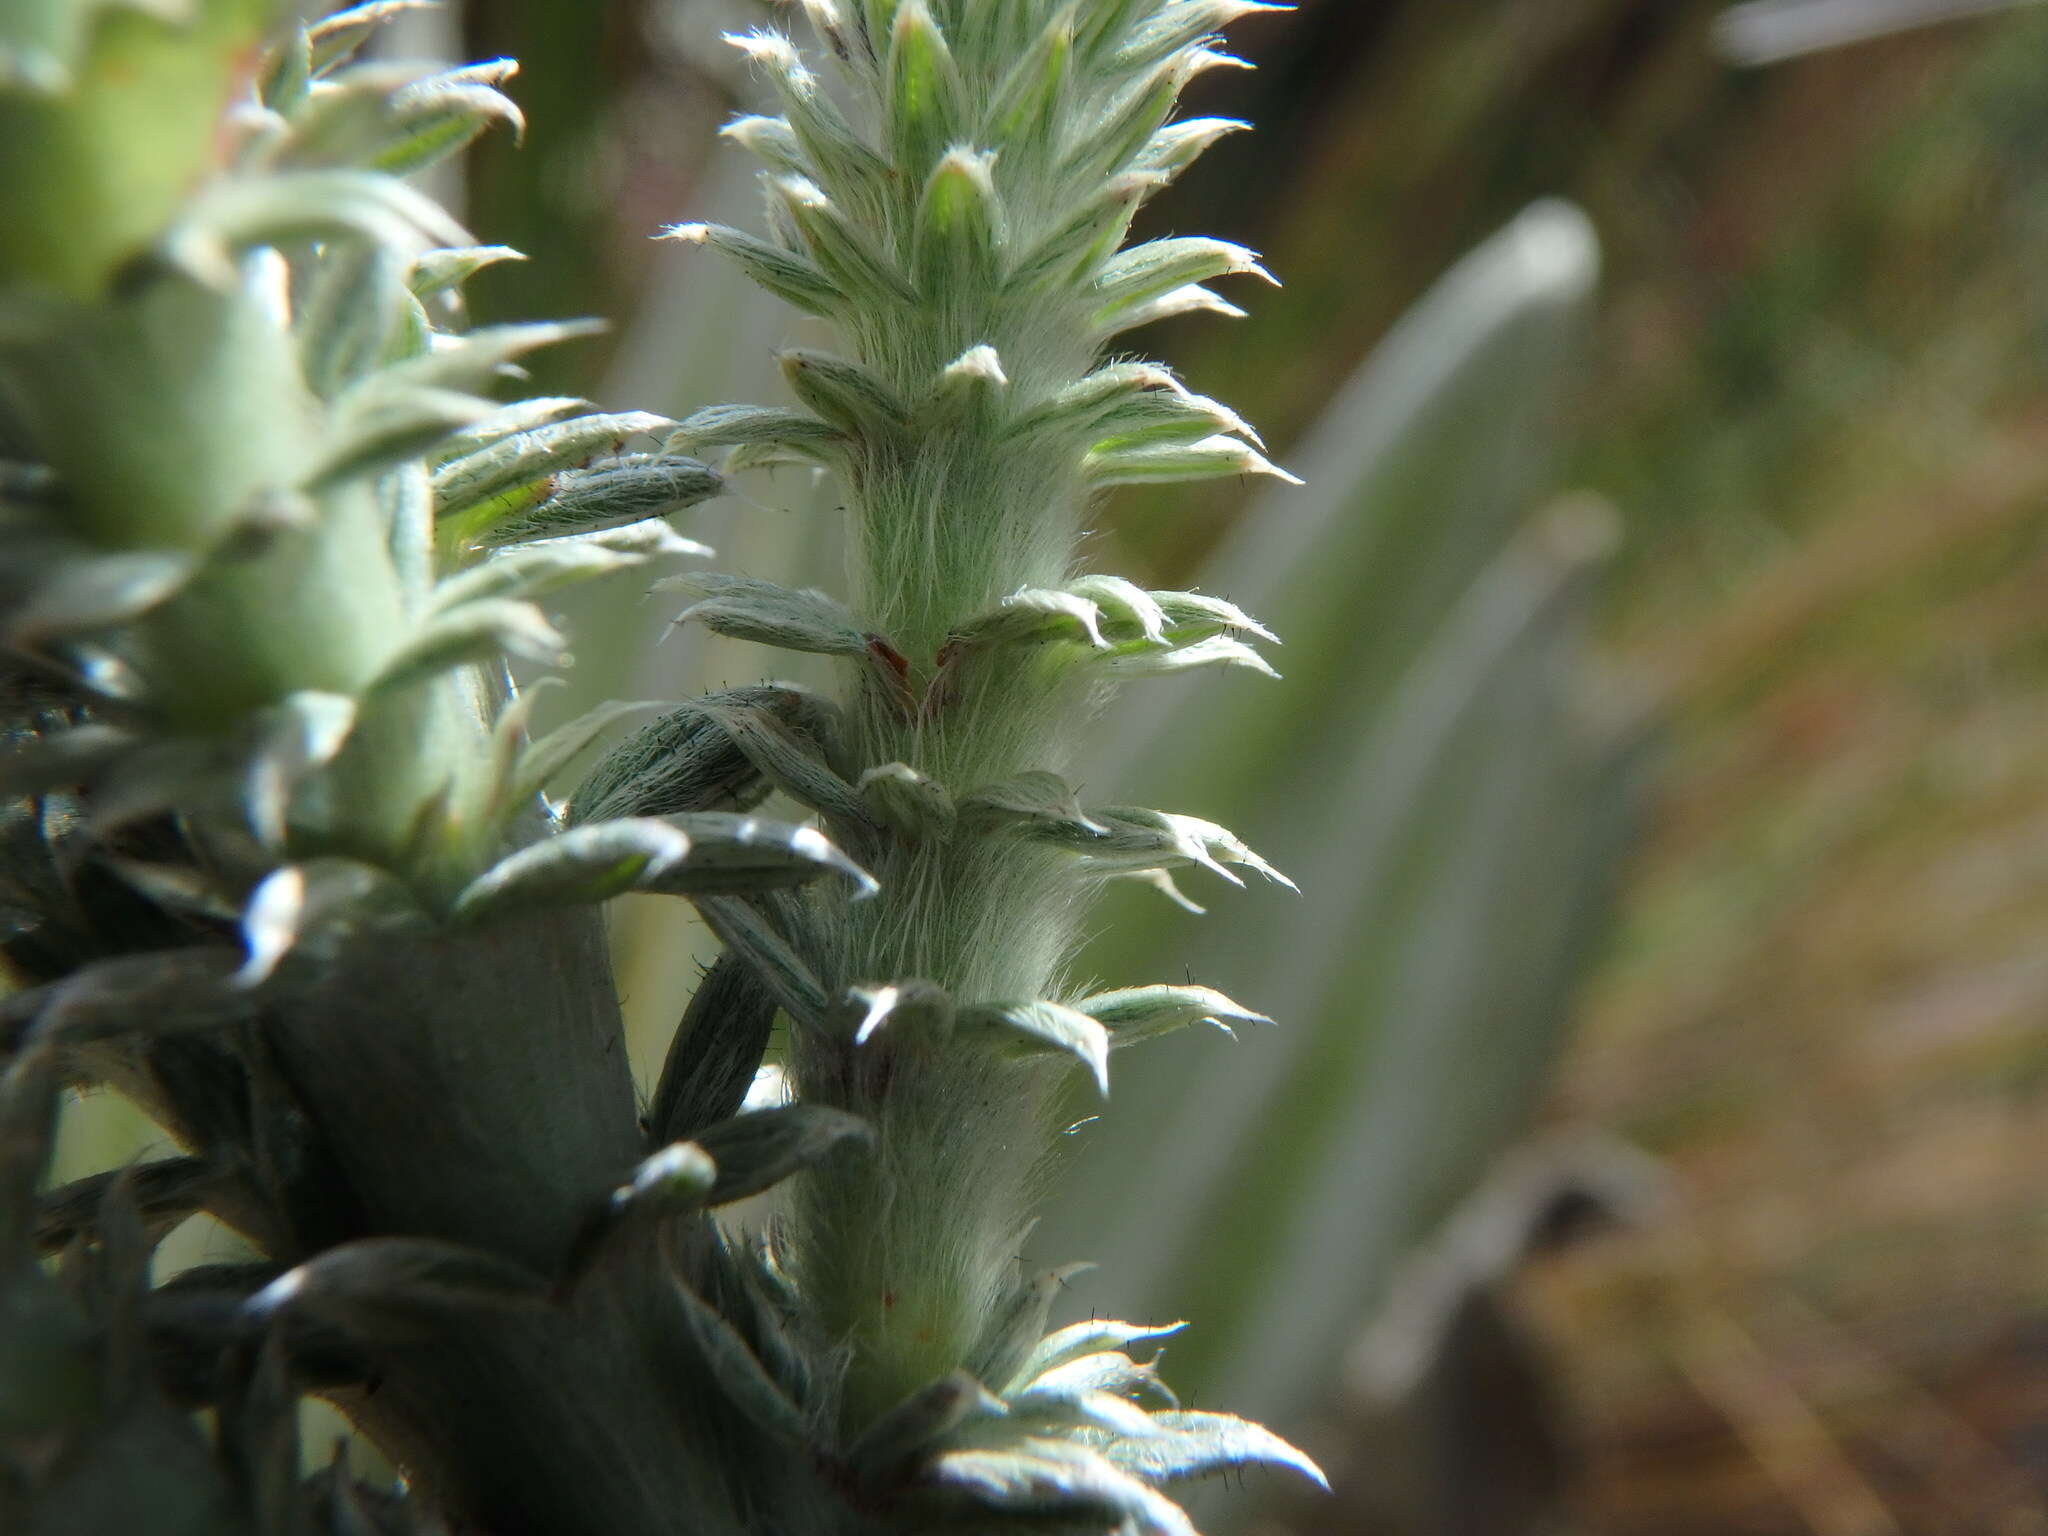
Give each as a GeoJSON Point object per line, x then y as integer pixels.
{"type": "Point", "coordinates": [1415, 472]}
{"type": "Point", "coordinates": [1770, 31]}
{"type": "Point", "coordinates": [1434, 991]}
{"type": "Point", "coordinates": [1444, 809]}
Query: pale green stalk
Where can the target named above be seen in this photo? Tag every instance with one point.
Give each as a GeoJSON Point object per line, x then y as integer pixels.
{"type": "Point", "coordinates": [959, 227]}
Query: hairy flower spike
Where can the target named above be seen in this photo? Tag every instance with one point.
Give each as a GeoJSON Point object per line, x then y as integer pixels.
{"type": "Point", "coordinates": [966, 247]}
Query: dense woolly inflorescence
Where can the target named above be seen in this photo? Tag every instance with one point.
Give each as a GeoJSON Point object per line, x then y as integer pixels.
{"type": "Point", "coordinates": [278, 863]}
{"type": "Point", "coordinates": [954, 201]}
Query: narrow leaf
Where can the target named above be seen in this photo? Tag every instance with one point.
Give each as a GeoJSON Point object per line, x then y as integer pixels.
{"type": "Point", "coordinates": [585, 864]}
{"type": "Point", "coordinates": [504, 421]}
{"type": "Point", "coordinates": [1132, 1014]}
{"type": "Point", "coordinates": [479, 631]}
{"type": "Point", "coordinates": [680, 1177]}
{"type": "Point", "coordinates": [1076, 247]}
{"type": "Point", "coordinates": [1025, 110]}
{"type": "Point", "coordinates": [533, 570]}
{"type": "Point", "coordinates": [1078, 1341]}
{"type": "Point", "coordinates": [728, 426]}
{"type": "Point", "coordinates": [840, 247]}
{"type": "Point", "coordinates": [1191, 300]}
{"type": "Point", "coordinates": [746, 933]}
{"type": "Point", "coordinates": [970, 389]}
{"type": "Point", "coordinates": [152, 993]}
{"type": "Point", "coordinates": [474, 359]}
{"type": "Point", "coordinates": [1173, 28]}
{"type": "Point", "coordinates": [1067, 1410]}
{"type": "Point", "coordinates": [771, 140]}
{"type": "Point", "coordinates": [1162, 464]}
{"type": "Point", "coordinates": [1048, 1478]}
{"type": "Point", "coordinates": [923, 1008]}
{"type": "Point", "coordinates": [894, 1447]}
{"type": "Point", "coordinates": [1215, 651]}
{"type": "Point", "coordinates": [845, 394]}
{"type": "Point", "coordinates": [1200, 1444]}
{"type": "Point", "coordinates": [1039, 1027]}
{"type": "Point", "coordinates": [384, 421]}
{"type": "Point", "coordinates": [900, 797]}
{"type": "Point", "coordinates": [28, 1129]}
{"type": "Point", "coordinates": [449, 267]}
{"type": "Point", "coordinates": [795, 619]}
{"type": "Point", "coordinates": [1123, 606]}
{"type": "Point", "coordinates": [1197, 612]}
{"type": "Point", "coordinates": [1138, 839]}
{"type": "Point", "coordinates": [1035, 615]}
{"type": "Point", "coordinates": [335, 38]}
{"type": "Point", "coordinates": [388, 1292]}
{"type": "Point", "coordinates": [792, 761]}
{"type": "Point", "coordinates": [232, 213]}
{"type": "Point", "coordinates": [737, 854]}
{"type": "Point", "coordinates": [1156, 267]}
{"type": "Point", "coordinates": [164, 1193]}
{"type": "Point", "coordinates": [543, 759]}
{"type": "Point", "coordinates": [1178, 145]}
{"type": "Point", "coordinates": [1035, 799]}
{"type": "Point", "coordinates": [1018, 1327]}
{"type": "Point", "coordinates": [958, 235]}
{"type": "Point", "coordinates": [521, 462]}
{"type": "Point", "coordinates": [346, 323]}
{"type": "Point", "coordinates": [715, 1052]}
{"type": "Point", "coordinates": [841, 160]}
{"type": "Point", "coordinates": [608, 493]}
{"type": "Point", "coordinates": [96, 591]}
{"type": "Point", "coordinates": [1111, 1371]}
{"type": "Point", "coordinates": [688, 760]}
{"type": "Point", "coordinates": [741, 1378]}
{"type": "Point", "coordinates": [758, 1150]}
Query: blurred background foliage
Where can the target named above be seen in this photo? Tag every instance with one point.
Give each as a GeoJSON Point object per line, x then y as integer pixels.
{"type": "Point", "coordinates": [1812, 387]}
